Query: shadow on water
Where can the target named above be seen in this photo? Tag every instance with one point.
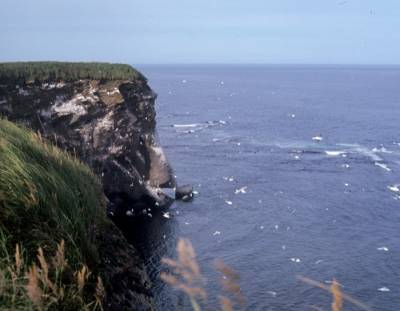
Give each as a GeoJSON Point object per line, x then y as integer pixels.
{"type": "Point", "coordinates": [154, 237]}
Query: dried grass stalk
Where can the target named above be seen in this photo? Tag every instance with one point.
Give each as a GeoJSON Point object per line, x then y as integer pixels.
{"type": "Point", "coordinates": [33, 289]}
{"type": "Point", "coordinates": [59, 259]}
{"type": "Point", "coordinates": [18, 259]}
{"type": "Point", "coordinates": [337, 303]}
{"type": "Point", "coordinates": [340, 296]}
{"type": "Point", "coordinates": [225, 303]}
{"type": "Point", "coordinates": [186, 275]}
{"type": "Point", "coordinates": [230, 281]}
{"type": "Point", "coordinates": [100, 293]}
{"type": "Point", "coordinates": [81, 277]}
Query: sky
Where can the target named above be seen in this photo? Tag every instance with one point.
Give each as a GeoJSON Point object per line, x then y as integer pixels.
{"type": "Point", "coordinates": [207, 31]}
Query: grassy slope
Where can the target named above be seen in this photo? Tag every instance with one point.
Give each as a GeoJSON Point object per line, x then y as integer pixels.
{"type": "Point", "coordinates": [27, 72]}
{"type": "Point", "coordinates": [45, 196]}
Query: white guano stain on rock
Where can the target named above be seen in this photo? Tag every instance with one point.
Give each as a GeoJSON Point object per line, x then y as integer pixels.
{"type": "Point", "coordinates": [113, 91]}
{"type": "Point", "coordinates": [140, 156]}
{"type": "Point", "coordinates": [104, 124]}
{"type": "Point", "coordinates": [48, 86]}
{"type": "Point", "coordinates": [54, 85]}
{"type": "Point", "coordinates": [23, 92]}
{"type": "Point", "coordinates": [91, 98]}
{"type": "Point", "coordinates": [73, 106]}
{"type": "Point", "coordinates": [115, 149]}
{"type": "Point", "coordinates": [159, 168]}
{"type": "Point", "coordinates": [107, 123]}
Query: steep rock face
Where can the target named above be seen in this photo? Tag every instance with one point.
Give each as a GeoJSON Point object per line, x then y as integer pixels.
{"type": "Point", "coordinates": [110, 125]}
{"type": "Point", "coordinates": [128, 285]}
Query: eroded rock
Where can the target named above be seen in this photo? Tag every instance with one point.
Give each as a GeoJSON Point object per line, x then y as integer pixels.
{"type": "Point", "coordinates": [184, 193]}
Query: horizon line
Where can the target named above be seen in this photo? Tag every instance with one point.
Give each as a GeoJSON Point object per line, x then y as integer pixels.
{"type": "Point", "coordinates": [266, 64]}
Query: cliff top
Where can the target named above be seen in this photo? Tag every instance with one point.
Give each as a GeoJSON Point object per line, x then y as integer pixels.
{"type": "Point", "coordinates": [29, 72]}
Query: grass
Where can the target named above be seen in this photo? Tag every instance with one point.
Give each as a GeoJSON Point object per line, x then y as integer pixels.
{"type": "Point", "coordinates": [185, 276]}
{"type": "Point", "coordinates": [49, 284]}
{"type": "Point", "coordinates": [51, 208]}
{"type": "Point", "coordinates": [39, 72]}
{"type": "Point", "coordinates": [338, 296]}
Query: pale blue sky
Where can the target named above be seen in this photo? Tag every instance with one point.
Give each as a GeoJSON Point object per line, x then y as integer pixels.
{"type": "Point", "coordinates": [208, 31]}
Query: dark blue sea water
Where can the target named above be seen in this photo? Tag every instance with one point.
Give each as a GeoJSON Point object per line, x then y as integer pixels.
{"type": "Point", "coordinates": [274, 202]}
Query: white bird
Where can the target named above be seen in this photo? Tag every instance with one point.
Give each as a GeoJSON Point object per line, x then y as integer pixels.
{"type": "Point", "coordinates": [394, 188]}
{"type": "Point", "coordinates": [383, 248]}
{"type": "Point", "coordinates": [241, 190]}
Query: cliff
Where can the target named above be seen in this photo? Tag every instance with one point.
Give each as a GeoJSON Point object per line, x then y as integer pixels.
{"type": "Point", "coordinates": [102, 113]}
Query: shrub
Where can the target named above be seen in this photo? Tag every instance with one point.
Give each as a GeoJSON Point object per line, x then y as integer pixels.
{"type": "Point", "coordinates": [30, 72]}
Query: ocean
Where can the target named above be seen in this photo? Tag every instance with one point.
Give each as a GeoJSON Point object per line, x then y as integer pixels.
{"type": "Point", "coordinates": [296, 170]}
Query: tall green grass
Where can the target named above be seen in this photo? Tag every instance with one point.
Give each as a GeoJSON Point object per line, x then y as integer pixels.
{"type": "Point", "coordinates": [46, 196]}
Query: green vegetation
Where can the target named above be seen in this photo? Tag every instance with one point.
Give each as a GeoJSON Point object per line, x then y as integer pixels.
{"type": "Point", "coordinates": [46, 197]}
{"type": "Point", "coordinates": [38, 72]}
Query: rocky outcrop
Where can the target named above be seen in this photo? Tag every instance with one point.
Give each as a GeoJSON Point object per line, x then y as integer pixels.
{"type": "Point", "coordinates": [109, 125]}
